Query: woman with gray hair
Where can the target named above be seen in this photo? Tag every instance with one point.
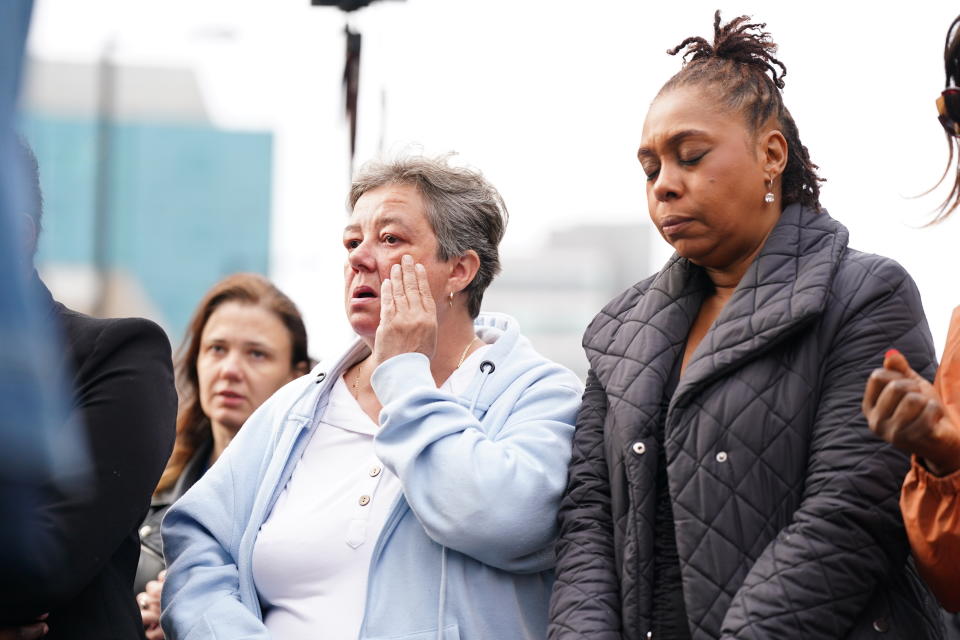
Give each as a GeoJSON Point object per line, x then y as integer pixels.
{"type": "Point", "coordinates": [407, 488]}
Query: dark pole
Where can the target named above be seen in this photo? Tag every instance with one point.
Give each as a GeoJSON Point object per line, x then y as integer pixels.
{"type": "Point", "coordinates": [106, 98]}
{"type": "Point", "coordinates": [351, 87]}
{"type": "Point", "coordinates": [351, 68]}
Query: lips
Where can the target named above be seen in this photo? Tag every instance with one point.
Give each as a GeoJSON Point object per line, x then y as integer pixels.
{"type": "Point", "coordinates": [363, 291]}
{"type": "Point", "coordinates": [231, 397]}
{"type": "Point", "coordinates": [672, 225]}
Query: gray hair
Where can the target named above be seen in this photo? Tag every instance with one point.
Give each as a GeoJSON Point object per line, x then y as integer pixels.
{"type": "Point", "coordinates": [464, 210]}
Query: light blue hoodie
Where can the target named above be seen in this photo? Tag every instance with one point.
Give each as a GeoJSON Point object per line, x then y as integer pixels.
{"type": "Point", "coordinates": [467, 550]}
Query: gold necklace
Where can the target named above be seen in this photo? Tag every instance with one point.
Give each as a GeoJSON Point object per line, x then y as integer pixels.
{"type": "Point", "coordinates": [356, 382]}
{"type": "Point", "coordinates": [356, 378]}
{"type": "Point", "coordinates": [464, 354]}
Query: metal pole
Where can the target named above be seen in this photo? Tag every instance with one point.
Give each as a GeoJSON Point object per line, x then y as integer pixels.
{"type": "Point", "coordinates": [106, 106]}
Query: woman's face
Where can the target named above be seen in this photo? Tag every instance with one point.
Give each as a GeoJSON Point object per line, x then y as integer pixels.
{"type": "Point", "coordinates": [706, 178]}
{"type": "Point", "coordinates": [387, 223]}
{"type": "Point", "coordinates": [244, 357]}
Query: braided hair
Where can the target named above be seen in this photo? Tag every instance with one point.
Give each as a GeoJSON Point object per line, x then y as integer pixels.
{"type": "Point", "coordinates": [740, 65]}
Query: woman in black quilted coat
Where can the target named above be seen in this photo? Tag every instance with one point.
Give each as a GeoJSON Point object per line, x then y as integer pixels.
{"type": "Point", "coordinates": [724, 483]}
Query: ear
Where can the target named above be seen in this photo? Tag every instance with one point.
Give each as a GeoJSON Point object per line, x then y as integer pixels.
{"type": "Point", "coordinates": [463, 271]}
{"type": "Point", "coordinates": [773, 151]}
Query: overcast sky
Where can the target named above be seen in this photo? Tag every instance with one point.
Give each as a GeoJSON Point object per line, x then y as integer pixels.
{"type": "Point", "coordinates": [547, 97]}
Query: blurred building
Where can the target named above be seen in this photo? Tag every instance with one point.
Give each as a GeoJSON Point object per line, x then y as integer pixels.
{"type": "Point", "coordinates": [556, 291]}
{"type": "Point", "coordinates": [147, 203]}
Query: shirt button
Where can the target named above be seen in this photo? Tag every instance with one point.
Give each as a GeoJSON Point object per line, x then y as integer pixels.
{"type": "Point", "coordinates": [880, 625]}
{"type": "Point", "coordinates": [721, 456]}
{"type": "Point", "coordinates": [364, 501]}
{"type": "Point", "coordinates": [145, 530]}
{"type": "Point", "coordinates": [639, 448]}
{"type": "Point", "coordinates": [374, 471]}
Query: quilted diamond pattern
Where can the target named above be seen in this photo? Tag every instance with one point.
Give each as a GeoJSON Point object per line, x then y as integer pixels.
{"type": "Point", "coordinates": [785, 504]}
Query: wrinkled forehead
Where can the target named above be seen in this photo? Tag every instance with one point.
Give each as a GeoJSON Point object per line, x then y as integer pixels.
{"type": "Point", "coordinates": [390, 204]}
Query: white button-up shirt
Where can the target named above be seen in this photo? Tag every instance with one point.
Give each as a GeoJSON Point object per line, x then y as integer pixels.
{"type": "Point", "coordinates": [312, 554]}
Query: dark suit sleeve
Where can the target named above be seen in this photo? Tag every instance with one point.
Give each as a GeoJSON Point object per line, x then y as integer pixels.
{"type": "Point", "coordinates": [586, 595]}
{"type": "Point", "coordinates": [124, 395]}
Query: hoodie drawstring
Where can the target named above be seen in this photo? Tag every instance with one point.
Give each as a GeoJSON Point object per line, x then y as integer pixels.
{"type": "Point", "coordinates": [487, 368]}
{"type": "Point", "coordinates": [443, 592]}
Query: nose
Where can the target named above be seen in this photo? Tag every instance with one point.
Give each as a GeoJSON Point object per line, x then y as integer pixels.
{"type": "Point", "coordinates": [361, 257]}
{"type": "Point", "coordinates": [668, 185]}
{"type": "Point", "coordinates": [231, 367]}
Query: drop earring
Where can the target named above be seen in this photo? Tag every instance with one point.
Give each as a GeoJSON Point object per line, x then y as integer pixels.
{"type": "Point", "coordinates": [769, 198]}
{"type": "Point", "coordinates": [450, 300]}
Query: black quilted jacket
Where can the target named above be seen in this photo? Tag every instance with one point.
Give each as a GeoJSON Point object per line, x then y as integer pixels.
{"type": "Point", "coordinates": [787, 520]}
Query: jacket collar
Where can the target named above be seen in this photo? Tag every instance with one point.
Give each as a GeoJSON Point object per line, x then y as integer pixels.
{"type": "Point", "coordinates": [784, 289]}
{"type": "Point", "coordinates": [499, 330]}
{"type": "Point", "coordinates": [192, 471]}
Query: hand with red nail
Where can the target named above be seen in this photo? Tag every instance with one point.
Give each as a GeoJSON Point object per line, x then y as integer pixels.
{"type": "Point", "coordinates": [903, 408]}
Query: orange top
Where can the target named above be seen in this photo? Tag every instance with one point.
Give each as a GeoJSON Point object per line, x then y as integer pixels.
{"type": "Point", "coordinates": [930, 504]}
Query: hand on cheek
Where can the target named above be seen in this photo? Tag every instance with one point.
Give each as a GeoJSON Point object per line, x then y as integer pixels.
{"type": "Point", "coordinates": [408, 314]}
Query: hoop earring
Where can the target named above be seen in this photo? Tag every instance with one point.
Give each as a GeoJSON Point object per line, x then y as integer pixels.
{"type": "Point", "coordinates": [769, 198]}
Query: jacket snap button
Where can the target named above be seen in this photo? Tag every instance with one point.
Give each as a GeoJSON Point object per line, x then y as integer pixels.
{"type": "Point", "coordinates": [639, 448]}
{"type": "Point", "coordinates": [374, 471]}
{"type": "Point", "coordinates": [364, 501]}
{"type": "Point", "coordinates": [721, 456]}
{"type": "Point", "coordinates": [145, 530]}
{"type": "Point", "coordinates": [881, 625]}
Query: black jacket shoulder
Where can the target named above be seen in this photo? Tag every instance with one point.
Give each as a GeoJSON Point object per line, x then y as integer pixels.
{"type": "Point", "coordinates": [124, 396]}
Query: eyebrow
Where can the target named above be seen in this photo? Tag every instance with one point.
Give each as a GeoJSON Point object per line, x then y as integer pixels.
{"type": "Point", "coordinates": [246, 343]}
{"type": "Point", "coordinates": [673, 140]}
{"type": "Point", "coordinates": [383, 222]}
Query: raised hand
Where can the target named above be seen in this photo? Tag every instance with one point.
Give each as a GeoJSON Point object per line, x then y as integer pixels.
{"type": "Point", "coordinates": [408, 313]}
{"type": "Point", "coordinates": [904, 409]}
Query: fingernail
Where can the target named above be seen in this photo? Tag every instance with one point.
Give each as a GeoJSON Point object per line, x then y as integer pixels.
{"type": "Point", "coordinates": [420, 267]}
{"type": "Point", "coordinates": [46, 629]}
{"type": "Point", "coordinates": [407, 259]}
{"type": "Point", "coordinates": [890, 352]}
